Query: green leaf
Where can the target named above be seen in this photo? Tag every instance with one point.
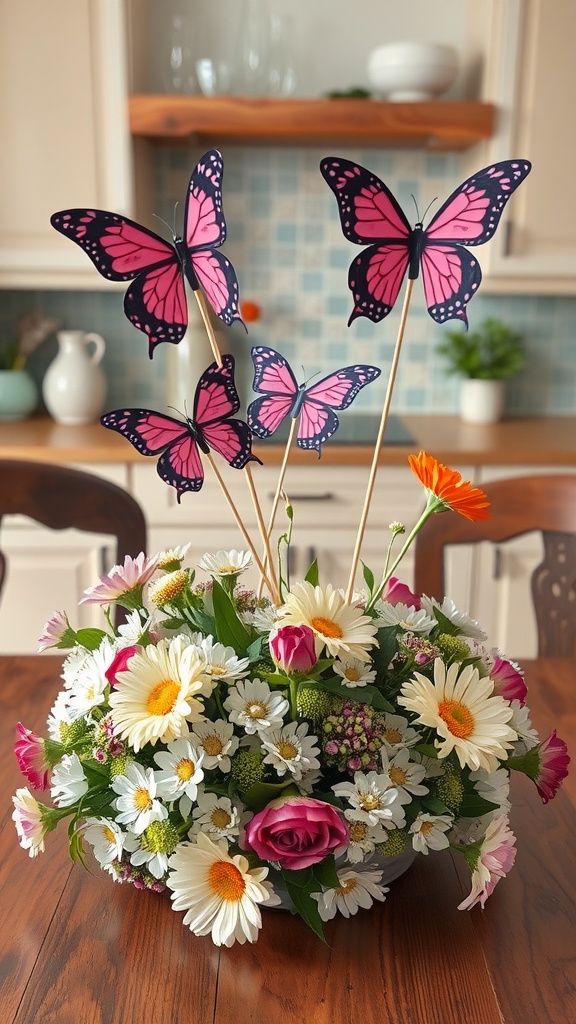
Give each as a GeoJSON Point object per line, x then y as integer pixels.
{"type": "Point", "coordinates": [198, 619]}
{"type": "Point", "coordinates": [325, 873]}
{"type": "Point", "coordinates": [229, 630]}
{"type": "Point", "coordinates": [362, 694]}
{"type": "Point", "coordinates": [90, 637]}
{"type": "Point", "coordinates": [434, 805]}
{"type": "Point", "coordinates": [254, 650]}
{"type": "Point", "coordinates": [261, 793]}
{"type": "Point", "coordinates": [312, 574]}
{"type": "Point", "coordinates": [446, 625]}
{"type": "Point", "coordinates": [368, 577]}
{"type": "Point", "coordinates": [426, 749]}
{"type": "Point", "coordinates": [474, 806]}
{"type": "Point", "coordinates": [303, 902]}
{"type": "Point", "coordinates": [387, 647]}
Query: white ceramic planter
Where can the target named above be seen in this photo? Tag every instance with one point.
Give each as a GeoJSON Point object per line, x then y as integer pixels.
{"type": "Point", "coordinates": [18, 395]}
{"type": "Point", "coordinates": [481, 401]}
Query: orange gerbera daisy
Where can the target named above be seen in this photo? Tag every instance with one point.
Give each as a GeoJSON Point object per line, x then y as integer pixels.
{"type": "Point", "coordinates": [448, 489]}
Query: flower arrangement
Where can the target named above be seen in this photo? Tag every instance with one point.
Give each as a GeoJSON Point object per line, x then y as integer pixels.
{"type": "Point", "coordinates": [298, 747]}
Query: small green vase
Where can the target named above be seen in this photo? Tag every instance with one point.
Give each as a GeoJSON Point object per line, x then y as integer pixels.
{"type": "Point", "coordinates": [18, 395]}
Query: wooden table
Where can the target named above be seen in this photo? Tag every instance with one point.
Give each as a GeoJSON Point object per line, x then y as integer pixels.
{"type": "Point", "coordinates": [77, 949]}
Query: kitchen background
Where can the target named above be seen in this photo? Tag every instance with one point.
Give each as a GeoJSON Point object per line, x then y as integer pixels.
{"type": "Point", "coordinates": [284, 235]}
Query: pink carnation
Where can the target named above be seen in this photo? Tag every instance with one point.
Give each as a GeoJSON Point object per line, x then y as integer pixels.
{"type": "Point", "coordinates": [297, 832]}
{"type": "Point", "coordinates": [31, 757]}
{"type": "Point", "coordinates": [396, 592]}
{"type": "Point", "coordinates": [293, 648]}
{"type": "Point", "coordinates": [553, 764]}
{"type": "Point", "coordinates": [508, 680]}
{"type": "Point", "coordinates": [496, 856]}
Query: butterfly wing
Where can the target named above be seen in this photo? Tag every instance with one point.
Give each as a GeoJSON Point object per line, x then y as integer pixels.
{"type": "Point", "coordinates": [274, 379]}
{"type": "Point", "coordinates": [153, 433]}
{"type": "Point", "coordinates": [318, 421]}
{"type": "Point", "coordinates": [215, 403]}
{"type": "Point", "coordinates": [451, 276]}
{"type": "Point", "coordinates": [370, 213]}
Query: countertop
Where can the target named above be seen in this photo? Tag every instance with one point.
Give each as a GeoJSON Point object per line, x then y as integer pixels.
{"type": "Point", "coordinates": [517, 441]}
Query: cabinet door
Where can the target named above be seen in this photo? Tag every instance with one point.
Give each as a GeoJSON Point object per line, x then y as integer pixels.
{"type": "Point", "coordinates": [65, 139]}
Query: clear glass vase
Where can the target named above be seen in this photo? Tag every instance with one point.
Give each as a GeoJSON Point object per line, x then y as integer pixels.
{"type": "Point", "coordinates": [263, 65]}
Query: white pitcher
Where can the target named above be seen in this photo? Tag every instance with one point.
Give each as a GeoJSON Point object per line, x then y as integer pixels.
{"type": "Point", "coordinates": [74, 387]}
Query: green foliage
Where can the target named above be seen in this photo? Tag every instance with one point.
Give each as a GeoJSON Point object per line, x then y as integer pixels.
{"type": "Point", "coordinates": [492, 352]}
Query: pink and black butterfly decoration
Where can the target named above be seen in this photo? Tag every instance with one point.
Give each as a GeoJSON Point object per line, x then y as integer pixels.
{"type": "Point", "coordinates": [370, 215]}
{"type": "Point", "coordinates": [122, 250]}
{"type": "Point", "coordinates": [179, 442]}
{"type": "Point", "coordinates": [315, 405]}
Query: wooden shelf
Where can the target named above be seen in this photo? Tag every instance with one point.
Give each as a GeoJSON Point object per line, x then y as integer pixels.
{"type": "Point", "coordinates": [241, 120]}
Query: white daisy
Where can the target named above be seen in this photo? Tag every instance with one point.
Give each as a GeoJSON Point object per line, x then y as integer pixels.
{"type": "Point", "coordinates": [466, 716]}
{"type": "Point", "coordinates": [254, 706]}
{"type": "Point", "coordinates": [398, 733]}
{"type": "Point", "coordinates": [181, 773]}
{"type": "Point", "coordinates": [404, 774]}
{"type": "Point", "coordinates": [106, 839]}
{"type": "Point", "coordinates": [429, 832]}
{"type": "Point", "coordinates": [338, 626]}
{"type": "Point", "coordinates": [362, 840]}
{"type": "Point", "coordinates": [137, 626]}
{"type": "Point", "coordinates": [416, 620]}
{"type": "Point", "coordinates": [522, 725]}
{"type": "Point", "coordinates": [466, 625]}
{"type": "Point", "coordinates": [290, 749]}
{"type": "Point", "coordinates": [225, 563]}
{"type": "Point", "coordinates": [219, 893]}
{"type": "Point", "coordinates": [88, 687]}
{"type": "Point", "coordinates": [173, 557]}
{"type": "Point", "coordinates": [493, 786]}
{"type": "Point", "coordinates": [357, 889]}
{"type": "Point", "coordinates": [216, 740]}
{"type": "Point", "coordinates": [152, 848]}
{"type": "Point", "coordinates": [60, 717]}
{"type": "Point", "coordinates": [222, 663]}
{"type": "Point", "coordinates": [137, 798]}
{"type": "Point", "coordinates": [354, 672]}
{"type": "Point", "coordinates": [263, 620]}
{"type": "Point", "coordinates": [216, 816]}
{"type": "Point", "coordinates": [154, 699]}
{"type": "Point", "coordinates": [69, 782]}
{"type": "Point", "coordinates": [371, 798]}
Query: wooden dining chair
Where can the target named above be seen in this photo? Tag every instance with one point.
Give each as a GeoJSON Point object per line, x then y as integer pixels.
{"type": "Point", "coordinates": [546, 504]}
{"type": "Point", "coordinates": [60, 497]}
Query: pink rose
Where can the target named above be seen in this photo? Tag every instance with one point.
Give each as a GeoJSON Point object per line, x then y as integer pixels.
{"type": "Point", "coordinates": [398, 593]}
{"type": "Point", "coordinates": [293, 648]}
{"type": "Point", "coordinates": [119, 664]}
{"type": "Point", "coordinates": [297, 832]}
{"type": "Point", "coordinates": [31, 756]}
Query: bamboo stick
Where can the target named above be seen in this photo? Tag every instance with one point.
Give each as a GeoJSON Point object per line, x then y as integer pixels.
{"type": "Point", "coordinates": [267, 559]}
{"type": "Point", "coordinates": [208, 325]}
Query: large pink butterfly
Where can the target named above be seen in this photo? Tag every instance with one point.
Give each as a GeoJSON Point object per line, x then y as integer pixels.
{"type": "Point", "coordinates": [315, 405]}
{"type": "Point", "coordinates": [120, 250]}
{"type": "Point", "coordinates": [179, 443]}
{"type": "Point", "coordinates": [369, 213]}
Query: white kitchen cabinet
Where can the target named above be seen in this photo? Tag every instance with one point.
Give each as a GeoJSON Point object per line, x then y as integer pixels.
{"type": "Point", "coordinates": [527, 50]}
{"type": "Point", "coordinates": [64, 130]}
{"type": "Point", "coordinates": [48, 570]}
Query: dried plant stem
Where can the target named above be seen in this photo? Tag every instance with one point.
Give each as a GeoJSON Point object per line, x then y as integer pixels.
{"type": "Point", "coordinates": [276, 499]}
{"type": "Point", "coordinates": [267, 558]}
{"type": "Point", "coordinates": [379, 439]}
{"type": "Point", "coordinates": [240, 523]}
{"type": "Point", "coordinates": [208, 325]}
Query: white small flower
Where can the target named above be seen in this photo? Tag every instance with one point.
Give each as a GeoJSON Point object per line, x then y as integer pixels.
{"type": "Point", "coordinates": [522, 724]}
{"type": "Point", "coordinates": [417, 621]}
{"type": "Point", "coordinates": [216, 740]}
{"type": "Point", "coordinates": [354, 672]}
{"type": "Point", "coordinates": [264, 620]}
{"type": "Point", "coordinates": [225, 563]}
{"type": "Point", "coordinates": [371, 798]}
{"type": "Point", "coordinates": [357, 889]}
{"type": "Point", "coordinates": [88, 685]}
{"type": "Point", "coordinates": [133, 630]}
{"type": "Point", "coordinates": [137, 800]}
{"type": "Point", "coordinates": [222, 663]}
{"type": "Point", "coordinates": [172, 555]}
{"type": "Point", "coordinates": [217, 817]}
{"type": "Point", "coordinates": [429, 832]}
{"type": "Point", "coordinates": [60, 716]}
{"type": "Point", "coordinates": [181, 773]}
{"type": "Point", "coordinates": [253, 706]}
{"type": "Point", "coordinates": [404, 774]}
{"type": "Point", "coordinates": [467, 626]}
{"type": "Point", "coordinates": [290, 749]}
{"type": "Point", "coordinates": [493, 786]}
{"type": "Point", "coordinates": [69, 783]}
{"type": "Point", "coordinates": [106, 839]}
{"type": "Point", "coordinates": [152, 848]}
{"type": "Point", "coordinates": [363, 839]}
{"type": "Point", "coordinates": [397, 733]}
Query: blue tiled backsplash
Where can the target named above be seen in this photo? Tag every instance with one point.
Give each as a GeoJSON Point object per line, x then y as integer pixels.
{"type": "Point", "coordinates": [285, 242]}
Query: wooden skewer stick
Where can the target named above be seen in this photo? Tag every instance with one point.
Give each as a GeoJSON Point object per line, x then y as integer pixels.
{"type": "Point", "coordinates": [208, 325]}
{"type": "Point", "coordinates": [267, 558]}
{"type": "Point", "coordinates": [279, 486]}
{"type": "Point", "coordinates": [379, 439]}
{"type": "Point", "coordinates": [240, 524]}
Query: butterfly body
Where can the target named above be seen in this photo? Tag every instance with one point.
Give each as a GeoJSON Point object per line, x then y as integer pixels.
{"type": "Point", "coordinates": [177, 442]}
{"type": "Point", "coordinates": [370, 215]}
{"type": "Point", "coordinates": [122, 250]}
{"type": "Point", "coordinates": [315, 405]}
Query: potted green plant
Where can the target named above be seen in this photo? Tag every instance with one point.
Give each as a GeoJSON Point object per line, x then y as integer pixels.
{"type": "Point", "coordinates": [484, 358]}
{"type": "Point", "coordinates": [18, 391]}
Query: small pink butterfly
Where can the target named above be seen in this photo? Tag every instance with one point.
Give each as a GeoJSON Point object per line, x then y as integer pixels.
{"type": "Point", "coordinates": [369, 213]}
{"type": "Point", "coordinates": [179, 442]}
{"type": "Point", "coordinates": [121, 250]}
{"type": "Point", "coordinates": [315, 405]}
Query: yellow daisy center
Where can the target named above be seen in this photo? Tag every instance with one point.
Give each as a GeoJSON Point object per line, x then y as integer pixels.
{"type": "Point", "coordinates": [256, 710]}
{"type": "Point", "coordinates": [185, 769]}
{"type": "Point", "coordinates": [165, 589]}
{"type": "Point", "coordinates": [226, 881]}
{"type": "Point", "coordinates": [369, 802]}
{"type": "Point", "coordinates": [393, 736]}
{"type": "Point", "coordinates": [357, 830]}
{"type": "Point", "coordinates": [346, 887]}
{"type": "Point", "coordinates": [225, 570]}
{"type": "Point", "coordinates": [457, 717]}
{"type": "Point", "coordinates": [327, 627]}
{"type": "Point", "coordinates": [213, 745]}
{"type": "Point", "coordinates": [352, 674]}
{"type": "Point", "coordinates": [220, 818]}
{"type": "Point", "coordinates": [142, 799]}
{"type": "Point", "coordinates": [163, 697]}
{"type": "Point", "coordinates": [397, 776]}
{"type": "Point", "coordinates": [287, 750]}
{"type": "Point", "coordinates": [108, 834]}
{"type": "Point", "coordinates": [426, 827]}
{"type": "Point", "coordinates": [217, 670]}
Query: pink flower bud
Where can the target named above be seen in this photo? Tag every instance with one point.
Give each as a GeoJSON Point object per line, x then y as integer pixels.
{"type": "Point", "coordinates": [396, 592]}
{"type": "Point", "coordinates": [119, 664]}
{"type": "Point", "coordinates": [293, 648]}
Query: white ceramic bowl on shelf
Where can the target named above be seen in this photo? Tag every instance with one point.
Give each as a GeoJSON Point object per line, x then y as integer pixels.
{"type": "Point", "coordinates": [412, 72]}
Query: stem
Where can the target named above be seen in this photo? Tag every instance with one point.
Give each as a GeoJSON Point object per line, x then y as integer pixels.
{"type": "Point", "coordinates": [388, 573]}
{"type": "Point", "coordinates": [267, 557]}
{"type": "Point", "coordinates": [278, 492]}
{"type": "Point", "coordinates": [208, 325]}
{"type": "Point", "coordinates": [379, 440]}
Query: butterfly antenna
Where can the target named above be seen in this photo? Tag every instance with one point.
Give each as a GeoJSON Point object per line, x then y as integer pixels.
{"type": "Point", "coordinates": [431, 203]}
{"type": "Point", "coordinates": [311, 377]}
{"type": "Point", "coordinates": [162, 221]}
